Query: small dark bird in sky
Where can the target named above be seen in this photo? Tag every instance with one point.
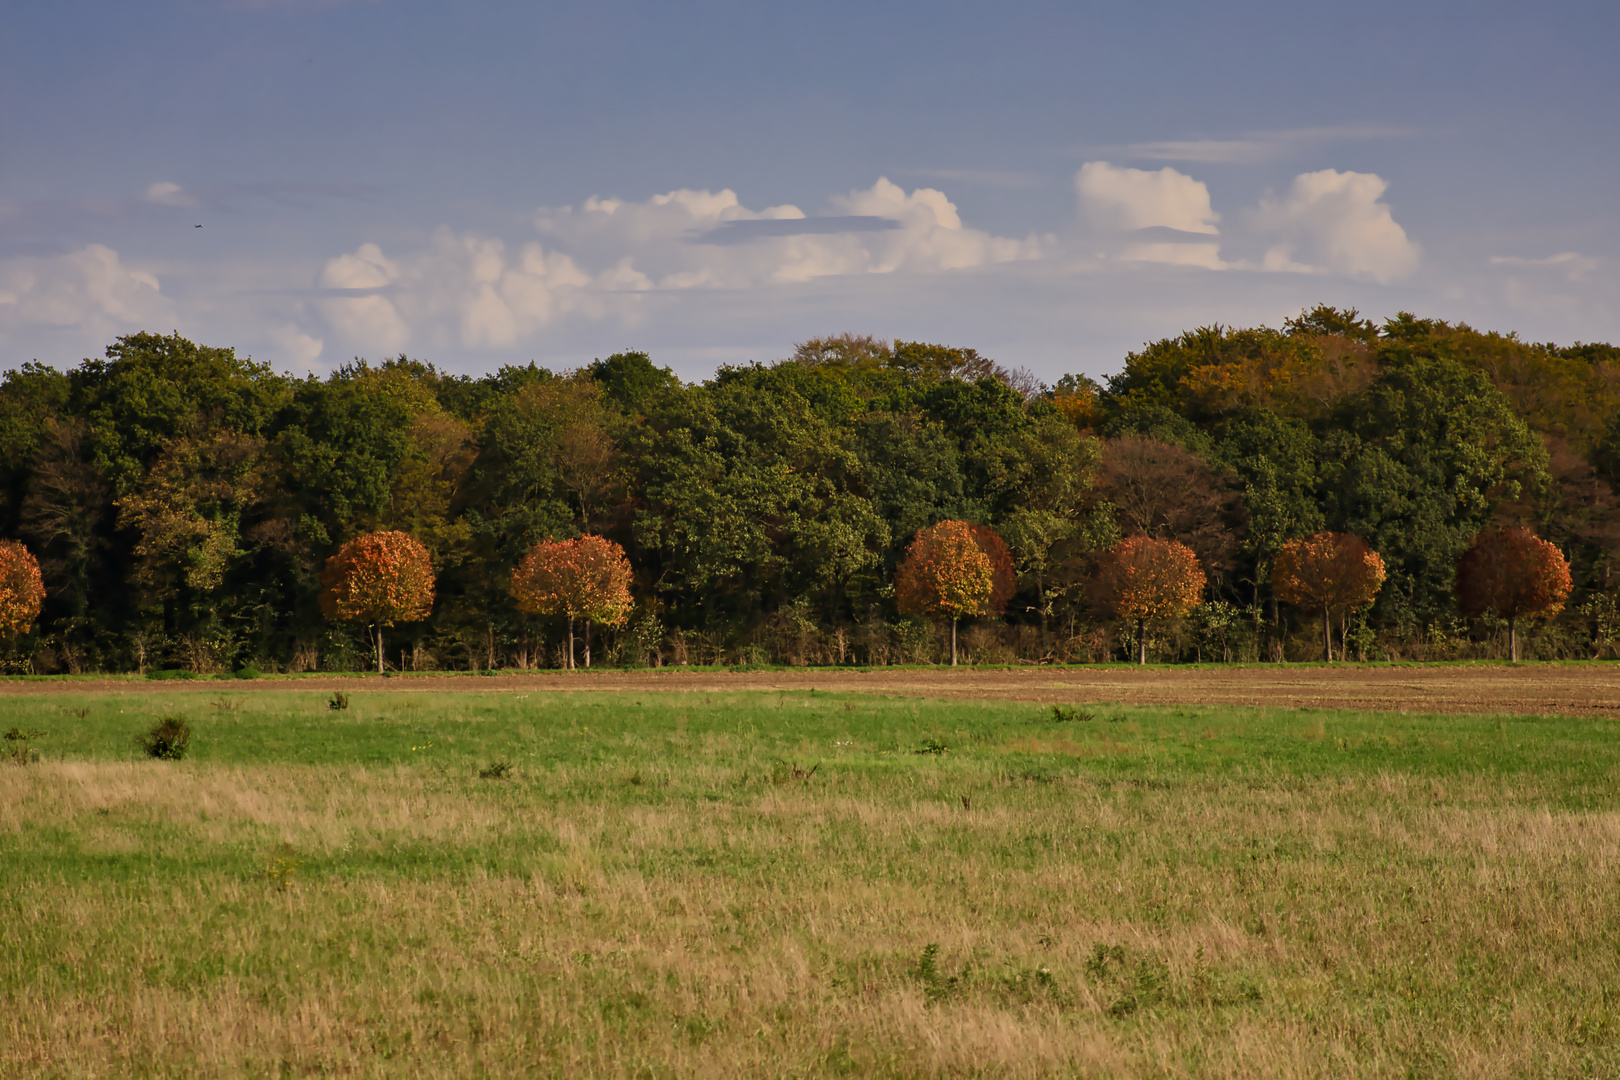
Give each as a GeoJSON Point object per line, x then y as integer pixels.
{"type": "Point", "coordinates": [196, 226]}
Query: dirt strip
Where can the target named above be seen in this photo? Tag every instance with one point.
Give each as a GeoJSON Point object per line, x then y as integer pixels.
{"type": "Point", "coordinates": [1575, 689]}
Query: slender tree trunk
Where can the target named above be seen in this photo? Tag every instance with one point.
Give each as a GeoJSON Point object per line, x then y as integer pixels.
{"type": "Point", "coordinates": [587, 643]}
{"type": "Point", "coordinates": [1276, 630]}
{"type": "Point", "coordinates": [953, 643]}
{"type": "Point", "coordinates": [1513, 639]}
{"type": "Point", "coordinates": [1327, 633]}
{"type": "Point", "coordinates": [570, 643]}
{"type": "Point", "coordinates": [1141, 641]}
{"type": "Point", "coordinates": [379, 649]}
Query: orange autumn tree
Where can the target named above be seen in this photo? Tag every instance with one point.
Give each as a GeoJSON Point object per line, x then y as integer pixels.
{"type": "Point", "coordinates": [22, 589]}
{"type": "Point", "coordinates": [1513, 574]}
{"type": "Point", "coordinates": [953, 569]}
{"type": "Point", "coordinates": [1330, 572]}
{"type": "Point", "coordinates": [1145, 580]}
{"type": "Point", "coordinates": [381, 578]}
{"type": "Point", "coordinates": [587, 578]}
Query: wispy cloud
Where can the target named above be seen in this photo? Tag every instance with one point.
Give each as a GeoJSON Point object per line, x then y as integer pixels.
{"type": "Point", "coordinates": [1253, 146]}
{"type": "Point", "coordinates": [741, 232]}
{"type": "Point", "coordinates": [1571, 265]}
{"type": "Point", "coordinates": [996, 178]}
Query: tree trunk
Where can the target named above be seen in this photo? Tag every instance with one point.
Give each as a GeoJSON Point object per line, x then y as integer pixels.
{"type": "Point", "coordinates": [1141, 641]}
{"type": "Point", "coordinates": [587, 643]}
{"type": "Point", "coordinates": [1513, 639]}
{"type": "Point", "coordinates": [1276, 631]}
{"type": "Point", "coordinates": [570, 643]}
{"type": "Point", "coordinates": [953, 643]}
{"type": "Point", "coordinates": [379, 649]}
{"type": "Point", "coordinates": [1327, 633]}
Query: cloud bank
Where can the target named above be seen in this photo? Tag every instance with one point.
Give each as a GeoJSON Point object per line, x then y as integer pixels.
{"type": "Point", "coordinates": [1326, 222]}
{"type": "Point", "coordinates": [699, 275]}
{"type": "Point", "coordinates": [608, 257]}
{"type": "Point", "coordinates": [89, 292]}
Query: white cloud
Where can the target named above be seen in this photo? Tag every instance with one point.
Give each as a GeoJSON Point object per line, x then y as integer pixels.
{"type": "Point", "coordinates": [168, 193]}
{"type": "Point", "coordinates": [1120, 199]}
{"type": "Point", "coordinates": [1203, 256]}
{"type": "Point", "coordinates": [605, 258]}
{"type": "Point", "coordinates": [89, 290]}
{"type": "Point", "coordinates": [366, 316]}
{"type": "Point", "coordinates": [1572, 266]}
{"type": "Point", "coordinates": [463, 289]}
{"type": "Point", "coordinates": [1258, 146]}
{"type": "Point", "coordinates": [1332, 221]}
{"type": "Point", "coordinates": [690, 239]}
{"type": "Point", "coordinates": [297, 348]}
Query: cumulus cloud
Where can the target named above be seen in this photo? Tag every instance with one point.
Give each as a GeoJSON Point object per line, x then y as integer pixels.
{"type": "Point", "coordinates": [359, 310]}
{"type": "Point", "coordinates": [297, 348]}
{"type": "Point", "coordinates": [605, 257]}
{"type": "Point", "coordinates": [1331, 221]}
{"type": "Point", "coordinates": [672, 238]}
{"type": "Point", "coordinates": [87, 290]}
{"type": "Point", "coordinates": [464, 289]}
{"type": "Point", "coordinates": [168, 193]}
{"type": "Point", "coordinates": [1121, 199]}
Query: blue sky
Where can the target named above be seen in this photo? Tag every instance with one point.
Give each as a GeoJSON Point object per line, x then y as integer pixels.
{"type": "Point", "coordinates": [484, 183]}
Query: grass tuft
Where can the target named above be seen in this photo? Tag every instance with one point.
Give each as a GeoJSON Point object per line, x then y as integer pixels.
{"type": "Point", "coordinates": [167, 740]}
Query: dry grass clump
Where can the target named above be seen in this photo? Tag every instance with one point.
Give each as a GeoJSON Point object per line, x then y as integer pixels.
{"type": "Point", "coordinates": [884, 914]}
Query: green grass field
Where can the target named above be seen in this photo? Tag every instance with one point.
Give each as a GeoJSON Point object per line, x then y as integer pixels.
{"type": "Point", "coordinates": [803, 884]}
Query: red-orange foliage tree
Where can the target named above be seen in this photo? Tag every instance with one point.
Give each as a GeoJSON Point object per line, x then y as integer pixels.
{"type": "Point", "coordinates": [954, 569]}
{"type": "Point", "coordinates": [1513, 574]}
{"type": "Point", "coordinates": [22, 590]}
{"type": "Point", "coordinates": [1329, 572]}
{"type": "Point", "coordinates": [587, 578]}
{"type": "Point", "coordinates": [380, 578]}
{"type": "Point", "coordinates": [1145, 580]}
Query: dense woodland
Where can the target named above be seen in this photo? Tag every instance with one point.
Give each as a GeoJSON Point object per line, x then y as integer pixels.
{"type": "Point", "coordinates": [182, 500]}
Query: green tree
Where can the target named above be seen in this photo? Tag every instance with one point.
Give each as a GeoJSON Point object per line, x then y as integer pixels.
{"type": "Point", "coordinates": [1417, 465]}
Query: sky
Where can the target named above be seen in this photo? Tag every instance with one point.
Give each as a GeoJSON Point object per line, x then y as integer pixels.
{"type": "Point", "coordinates": [1055, 184]}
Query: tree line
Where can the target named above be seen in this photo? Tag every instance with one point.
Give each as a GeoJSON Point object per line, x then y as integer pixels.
{"type": "Point", "coordinates": [183, 503]}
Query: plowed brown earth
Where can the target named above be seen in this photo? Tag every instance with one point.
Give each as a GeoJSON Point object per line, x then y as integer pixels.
{"type": "Point", "coordinates": [1575, 689]}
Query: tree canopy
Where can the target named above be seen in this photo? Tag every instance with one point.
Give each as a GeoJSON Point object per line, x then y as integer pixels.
{"type": "Point", "coordinates": [182, 501]}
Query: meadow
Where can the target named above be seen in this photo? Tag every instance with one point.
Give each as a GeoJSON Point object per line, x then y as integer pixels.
{"type": "Point", "coordinates": [485, 881]}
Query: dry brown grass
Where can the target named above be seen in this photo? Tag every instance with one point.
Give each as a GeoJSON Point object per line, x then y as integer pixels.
{"type": "Point", "coordinates": [1277, 926]}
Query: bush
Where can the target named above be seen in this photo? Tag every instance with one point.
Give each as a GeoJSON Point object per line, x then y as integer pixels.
{"type": "Point", "coordinates": [167, 740]}
{"type": "Point", "coordinates": [248, 671]}
{"type": "Point", "coordinates": [340, 700]}
{"type": "Point", "coordinates": [19, 747]}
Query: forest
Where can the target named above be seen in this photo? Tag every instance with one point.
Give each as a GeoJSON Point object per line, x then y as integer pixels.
{"type": "Point", "coordinates": [183, 502]}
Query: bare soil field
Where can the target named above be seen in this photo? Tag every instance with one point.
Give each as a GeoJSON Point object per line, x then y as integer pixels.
{"type": "Point", "coordinates": [1561, 689]}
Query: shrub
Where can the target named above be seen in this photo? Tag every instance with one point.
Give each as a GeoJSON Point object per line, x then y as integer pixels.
{"type": "Point", "coordinates": [340, 700]}
{"type": "Point", "coordinates": [19, 748]}
{"type": "Point", "coordinates": [167, 740]}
